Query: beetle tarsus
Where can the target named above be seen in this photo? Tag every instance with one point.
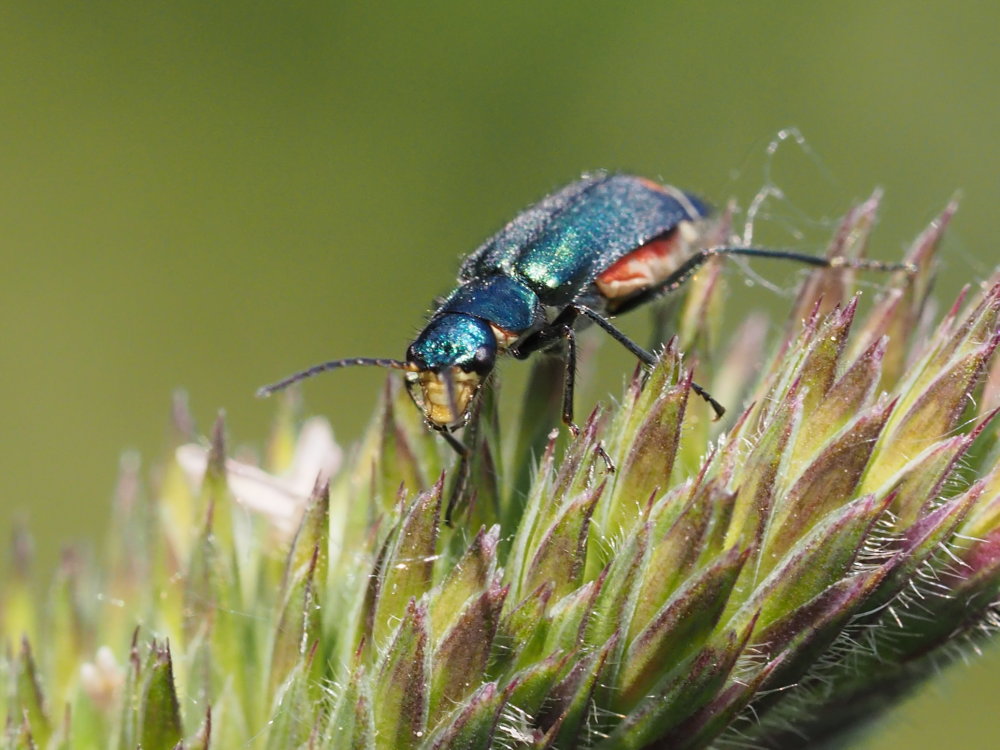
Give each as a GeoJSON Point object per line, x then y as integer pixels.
{"type": "Point", "coordinates": [719, 409]}
{"type": "Point", "coordinates": [609, 465]}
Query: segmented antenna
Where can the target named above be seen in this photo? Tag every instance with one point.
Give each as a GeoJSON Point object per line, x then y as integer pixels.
{"type": "Point", "coordinates": [335, 364]}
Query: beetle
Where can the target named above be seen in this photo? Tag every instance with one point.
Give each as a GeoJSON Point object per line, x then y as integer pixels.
{"type": "Point", "coordinates": [598, 247]}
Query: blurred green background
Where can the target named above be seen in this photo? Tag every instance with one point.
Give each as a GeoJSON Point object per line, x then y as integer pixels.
{"type": "Point", "coordinates": [210, 195]}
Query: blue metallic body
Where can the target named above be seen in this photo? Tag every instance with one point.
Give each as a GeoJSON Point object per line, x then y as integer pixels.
{"type": "Point", "coordinates": [554, 266]}
{"type": "Point", "coordinates": [564, 242]}
{"type": "Point", "coordinates": [547, 257]}
{"type": "Point", "coordinates": [505, 301]}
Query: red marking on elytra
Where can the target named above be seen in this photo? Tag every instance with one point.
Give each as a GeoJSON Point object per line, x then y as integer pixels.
{"type": "Point", "coordinates": [641, 268]}
{"type": "Point", "coordinates": [652, 185]}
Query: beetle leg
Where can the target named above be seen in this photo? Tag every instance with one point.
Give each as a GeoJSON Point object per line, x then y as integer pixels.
{"type": "Point", "coordinates": [696, 261]}
{"type": "Point", "coordinates": [569, 382]}
{"type": "Point", "coordinates": [562, 328]}
{"type": "Point", "coordinates": [669, 284]}
{"type": "Point", "coordinates": [644, 356]}
{"type": "Point", "coordinates": [545, 337]}
{"type": "Point", "coordinates": [718, 408]}
{"type": "Point", "coordinates": [461, 474]}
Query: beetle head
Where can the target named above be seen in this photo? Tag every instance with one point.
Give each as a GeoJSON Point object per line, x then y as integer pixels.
{"type": "Point", "coordinates": [450, 358]}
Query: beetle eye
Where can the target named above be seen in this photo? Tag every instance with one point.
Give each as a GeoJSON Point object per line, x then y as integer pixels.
{"type": "Point", "coordinates": [483, 361]}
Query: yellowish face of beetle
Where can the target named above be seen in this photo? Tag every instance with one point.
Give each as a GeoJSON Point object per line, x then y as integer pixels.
{"type": "Point", "coordinates": [429, 391]}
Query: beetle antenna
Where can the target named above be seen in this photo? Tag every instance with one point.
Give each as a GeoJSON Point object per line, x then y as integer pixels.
{"type": "Point", "coordinates": [335, 364]}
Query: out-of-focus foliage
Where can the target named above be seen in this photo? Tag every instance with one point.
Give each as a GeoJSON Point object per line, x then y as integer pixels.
{"type": "Point", "coordinates": [786, 573]}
